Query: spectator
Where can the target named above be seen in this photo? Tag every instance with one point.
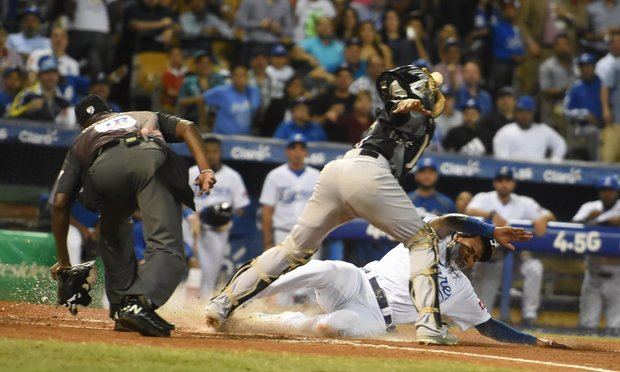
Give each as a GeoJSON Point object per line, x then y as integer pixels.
{"type": "Point", "coordinates": [43, 100]}
{"type": "Point", "coordinates": [472, 89]}
{"type": "Point", "coordinates": [583, 109]}
{"type": "Point", "coordinates": [507, 48]}
{"type": "Point", "coordinates": [372, 45]}
{"type": "Point", "coordinates": [279, 109]}
{"type": "Point", "coordinates": [149, 26]}
{"type": "Point", "coordinates": [425, 197]}
{"type": "Point", "coordinates": [322, 50]}
{"type": "Point", "coordinates": [89, 34]}
{"type": "Point", "coordinates": [338, 101]}
{"type": "Point", "coordinates": [194, 85]}
{"type": "Point", "coordinates": [526, 140]}
{"type": "Point", "coordinates": [602, 276]}
{"type": "Point", "coordinates": [198, 21]}
{"type": "Point", "coordinates": [67, 66]}
{"type": "Point", "coordinates": [462, 201]}
{"type": "Point", "coordinates": [406, 45]}
{"type": "Point", "coordinates": [603, 17]}
{"type": "Point", "coordinates": [347, 24]}
{"type": "Point", "coordinates": [451, 117]}
{"type": "Point", "coordinates": [29, 38]}
{"type": "Point", "coordinates": [500, 206]}
{"type": "Point", "coordinates": [504, 111]}
{"type": "Point", "coordinates": [353, 57]}
{"type": "Point", "coordinates": [9, 58]}
{"type": "Point", "coordinates": [555, 76]}
{"type": "Point", "coordinates": [172, 79]}
{"type": "Point", "coordinates": [265, 21]}
{"type": "Point", "coordinates": [352, 126]}
{"type": "Point", "coordinates": [235, 103]}
{"type": "Point", "coordinates": [447, 32]}
{"type": "Point", "coordinates": [100, 86]}
{"type": "Point", "coordinates": [450, 66]}
{"type": "Point", "coordinates": [279, 70]}
{"type": "Point", "coordinates": [469, 138]}
{"type": "Point", "coordinates": [608, 70]}
{"type": "Point", "coordinates": [259, 78]}
{"type": "Point", "coordinates": [13, 79]}
{"type": "Point", "coordinates": [300, 124]}
{"type": "Point", "coordinates": [368, 81]}
{"type": "Point", "coordinates": [307, 12]}
{"type": "Point", "coordinates": [479, 39]}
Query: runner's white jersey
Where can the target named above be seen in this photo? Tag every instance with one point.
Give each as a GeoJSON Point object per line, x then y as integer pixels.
{"type": "Point", "coordinates": [229, 188]}
{"type": "Point", "coordinates": [288, 193]}
{"type": "Point", "coordinates": [458, 301]}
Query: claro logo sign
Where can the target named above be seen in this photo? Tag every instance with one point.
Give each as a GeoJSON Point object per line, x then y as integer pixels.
{"type": "Point", "coordinates": [259, 153]}
{"type": "Point", "coordinates": [23, 271]}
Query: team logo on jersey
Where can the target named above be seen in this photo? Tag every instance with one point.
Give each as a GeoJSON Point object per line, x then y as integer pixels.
{"type": "Point", "coordinates": [445, 291]}
{"type": "Point", "coordinates": [118, 122]}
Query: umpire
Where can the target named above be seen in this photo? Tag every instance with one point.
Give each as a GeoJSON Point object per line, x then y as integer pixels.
{"type": "Point", "coordinates": [119, 163]}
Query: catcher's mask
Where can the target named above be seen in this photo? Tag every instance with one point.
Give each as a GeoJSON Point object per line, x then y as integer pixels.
{"type": "Point", "coordinates": [407, 82]}
{"type": "Point", "coordinates": [457, 253]}
{"type": "Point", "coordinates": [217, 215]}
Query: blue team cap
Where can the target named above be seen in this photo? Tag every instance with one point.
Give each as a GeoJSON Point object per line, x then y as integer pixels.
{"type": "Point", "coordinates": [278, 50]}
{"type": "Point", "coordinates": [504, 172]}
{"type": "Point", "coordinates": [586, 59]}
{"type": "Point", "coordinates": [34, 10]}
{"type": "Point", "coordinates": [426, 163]}
{"type": "Point", "coordinates": [526, 103]}
{"type": "Point", "coordinates": [421, 62]}
{"type": "Point", "coordinates": [48, 63]}
{"type": "Point", "coordinates": [471, 103]}
{"type": "Point", "coordinates": [608, 182]}
{"type": "Point", "coordinates": [295, 139]}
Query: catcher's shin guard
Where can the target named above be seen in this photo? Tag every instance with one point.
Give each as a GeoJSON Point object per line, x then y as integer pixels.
{"type": "Point", "coordinates": [423, 283]}
{"type": "Point", "coordinates": [256, 275]}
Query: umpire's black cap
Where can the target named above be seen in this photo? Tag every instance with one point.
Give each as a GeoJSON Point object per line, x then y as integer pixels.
{"type": "Point", "coordinates": [89, 107]}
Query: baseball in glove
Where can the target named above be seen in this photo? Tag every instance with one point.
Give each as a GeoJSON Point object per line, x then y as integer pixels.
{"type": "Point", "coordinates": [73, 286]}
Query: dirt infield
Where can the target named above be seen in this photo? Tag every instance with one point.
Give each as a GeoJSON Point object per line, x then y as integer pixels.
{"type": "Point", "coordinates": [41, 322]}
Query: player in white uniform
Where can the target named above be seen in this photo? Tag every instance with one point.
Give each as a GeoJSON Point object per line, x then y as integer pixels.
{"type": "Point", "coordinates": [500, 206]}
{"type": "Point", "coordinates": [600, 290]}
{"type": "Point", "coordinates": [211, 242]}
{"type": "Point", "coordinates": [285, 193]}
{"type": "Point", "coordinates": [368, 301]}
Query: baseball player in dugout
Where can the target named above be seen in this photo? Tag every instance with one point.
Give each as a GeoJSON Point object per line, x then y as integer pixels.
{"type": "Point", "coordinates": [364, 183]}
{"type": "Point", "coordinates": [122, 163]}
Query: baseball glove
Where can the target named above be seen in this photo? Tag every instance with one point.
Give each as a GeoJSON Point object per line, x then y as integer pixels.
{"type": "Point", "coordinates": [73, 286]}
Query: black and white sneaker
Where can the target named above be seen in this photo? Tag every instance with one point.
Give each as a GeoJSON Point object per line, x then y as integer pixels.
{"type": "Point", "coordinates": [137, 315]}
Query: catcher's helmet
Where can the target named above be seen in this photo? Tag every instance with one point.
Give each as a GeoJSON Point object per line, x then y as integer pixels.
{"type": "Point", "coordinates": [217, 215]}
{"type": "Point", "coordinates": [408, 81]}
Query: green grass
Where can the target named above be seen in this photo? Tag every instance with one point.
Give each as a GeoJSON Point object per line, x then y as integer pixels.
{"type": "Point", "coordinates": [29, 355]}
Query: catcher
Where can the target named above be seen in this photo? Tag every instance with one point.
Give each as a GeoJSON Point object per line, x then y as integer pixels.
{"type": "Point", "coordinates": [364, 183]}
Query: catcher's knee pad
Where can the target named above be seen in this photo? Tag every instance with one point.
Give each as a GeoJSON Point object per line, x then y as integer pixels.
{"type": "Point", "coordinates": [295, 254]}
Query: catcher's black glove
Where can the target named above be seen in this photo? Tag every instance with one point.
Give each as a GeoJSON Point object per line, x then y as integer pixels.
{"type": "Point", "coordinates": [73, 286]}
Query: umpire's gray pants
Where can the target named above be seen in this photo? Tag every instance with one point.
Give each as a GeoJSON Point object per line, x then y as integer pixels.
{"type": "Point", "coordinates": [125, 178]}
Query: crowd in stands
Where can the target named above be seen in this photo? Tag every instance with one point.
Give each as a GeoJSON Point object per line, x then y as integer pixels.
{"type": "Point", "coordinates": [529, 79]}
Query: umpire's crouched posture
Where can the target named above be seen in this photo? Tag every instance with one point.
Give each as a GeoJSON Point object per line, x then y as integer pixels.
{"type": "Point", "coordinates": [122, 163]}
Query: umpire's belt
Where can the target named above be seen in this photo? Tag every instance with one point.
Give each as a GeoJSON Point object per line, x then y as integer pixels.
{"type": "Point", "coordinates": [382, 301]}
{"type": "Point", "coordinates": [130, 139]}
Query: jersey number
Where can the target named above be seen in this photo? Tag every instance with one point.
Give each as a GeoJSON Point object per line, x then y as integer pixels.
{"type": "Point", "coordinates": [118, 122]}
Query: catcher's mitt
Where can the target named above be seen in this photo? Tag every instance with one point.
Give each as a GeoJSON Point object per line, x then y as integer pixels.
{"type": "Point", "coordinates": [73, 286]}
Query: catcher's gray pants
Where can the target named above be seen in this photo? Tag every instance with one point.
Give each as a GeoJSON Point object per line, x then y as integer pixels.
{"type": "Point", "coordinates": [125, 178]}
{"type": "Point", "coordinates": [354, 186]}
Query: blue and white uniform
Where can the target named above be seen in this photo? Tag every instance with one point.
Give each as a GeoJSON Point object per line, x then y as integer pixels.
{"type": "Point", "coordinates": [344, 293]}
{"type": "Point", "coordinates": [288, 192]}
{"type": "Point", "coordinates": [213, 242]}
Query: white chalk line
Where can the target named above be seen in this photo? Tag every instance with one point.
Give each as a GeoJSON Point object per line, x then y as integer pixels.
{"type": "Point", "coordinates": [459, 353]}
{"type": "Point", "coordinates": [379, 346]}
